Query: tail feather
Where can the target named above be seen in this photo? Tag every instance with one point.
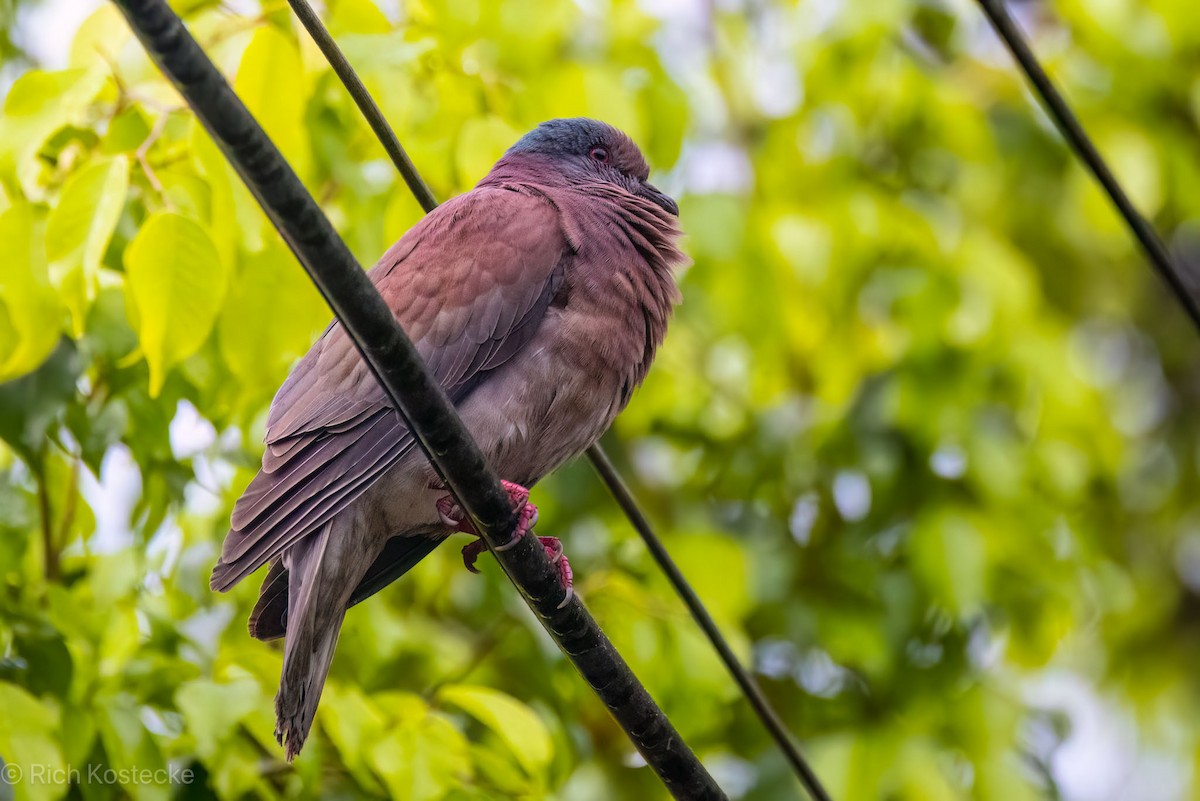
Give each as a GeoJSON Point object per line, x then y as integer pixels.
{"type": "Point", "coordinates": [316, 608]}
{"type": "Point", "coordinates": [300, 689]}
{"type": "Point", "coordinates": [269, 619]}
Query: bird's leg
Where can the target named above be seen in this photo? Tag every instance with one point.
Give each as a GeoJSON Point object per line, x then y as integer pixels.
{"type": "Point", "coordinates": [527, 514]}
{"type": "Point", "coordinates": [456, 520]}
{"type": "Point", "coordinates": [526, 518]}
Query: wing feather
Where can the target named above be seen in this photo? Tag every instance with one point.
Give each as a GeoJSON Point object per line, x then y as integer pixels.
{"type": "Point", "coordinates": [470, 284]}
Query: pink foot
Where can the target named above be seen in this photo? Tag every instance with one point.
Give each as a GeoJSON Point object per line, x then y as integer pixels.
{"type": "Point", "coordinates": [527, 516]}
{"type": "Point", "coordinates": [558, 557]}
{"type": "Point", "coordinates": [452, 515]}
{"type": "Point", "coordinates": [526, 519]}
{"type": "Point", "coordinates": [554, 550]}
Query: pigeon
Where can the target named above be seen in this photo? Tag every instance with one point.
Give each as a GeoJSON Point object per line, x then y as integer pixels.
{"type": "Point", "coordinates": [538, 300]}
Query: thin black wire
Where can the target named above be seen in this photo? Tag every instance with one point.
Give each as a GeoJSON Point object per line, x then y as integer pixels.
{"type": "Point", "coordinates": [406, 380]}
{"type": "Point", "coordinates": [604, 466]}
{"type": "Point", "coordinates": [1072, 130]}
{"type": "Point", "coordinates": [754, 694]}
{"type": "Point", "coordinates": [366, 104]}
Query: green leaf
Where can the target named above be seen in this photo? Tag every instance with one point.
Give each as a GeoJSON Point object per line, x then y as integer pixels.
{"type": "Point", "coordinates": [212, 710]}
{"type": "Point", "coordinates": [131, 748]}
{"type": "Point", "coordinates": [31, 311]}
{"type": "Point", "coordinates": [175, 283]}
{"type": "Point", "coordinates": [38, 104]}
{"type": "Point", "coordinates": [716, 566]}
{"type": "Point", "coordinates": [480, 143]}
{"type": "Point", "coordinates": [33, 404]}
{"type": "Point", "coordinates": [949, 552]}
{"type": "Point", "coordinates": [270, 81]}
{"type": "Point", "coordinates": [79, 228]}
{"type": "Point", "coordinates": [517, 725]}
{"type": "Point", "coordinates": [126, 132]}
{"type": "Point", "coordinates": [379, 53]}
{"type": "Point", "coordinates": [235, 217]}
{"type": "Point", "coordinates": [44, 653]}
{"type": "Point", "coordinates": [234, 771]}
{"type": "Point", "coordinates": [100, 38]}
{"type": "Point", "coordinates": [120, 640]}
{"type": "Point", "coordinates": [356, 16]}
{"type": "Point", "coordinates": [271, 317]}
{"type": "Point", "coordinates": [28, 742]}
{"type": "Point", "coordinates": [353, 725]}
{"type": "Point", "coordinates": [422, 757]}
{"type": "Point", "coordinates": [80, 736]}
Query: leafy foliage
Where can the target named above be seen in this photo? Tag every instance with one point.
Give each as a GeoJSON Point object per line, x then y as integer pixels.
{"type": "Point", "coordinates": [922, 432]}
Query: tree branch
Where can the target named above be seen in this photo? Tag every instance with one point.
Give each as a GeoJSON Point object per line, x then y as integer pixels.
{"type": "Point", "coordinates": [51, 565]}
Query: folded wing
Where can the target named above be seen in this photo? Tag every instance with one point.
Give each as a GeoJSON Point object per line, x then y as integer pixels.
{"type": "Point", "coordinates": [470, 284]}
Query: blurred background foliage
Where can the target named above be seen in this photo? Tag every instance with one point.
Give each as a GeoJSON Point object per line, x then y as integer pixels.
{"type": "Point", "coordinates": [922, 434]}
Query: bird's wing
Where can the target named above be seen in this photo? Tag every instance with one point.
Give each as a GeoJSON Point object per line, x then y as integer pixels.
{"type": "Point", "coordinates": [469, 284]}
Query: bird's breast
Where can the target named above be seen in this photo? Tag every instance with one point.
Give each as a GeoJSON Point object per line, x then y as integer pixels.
{"type": "Point", "coordinates": [592, 348]}
{"type": "Point", "coordinates": [546, 405]}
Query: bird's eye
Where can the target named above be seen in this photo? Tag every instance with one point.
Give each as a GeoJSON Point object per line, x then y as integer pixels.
{"type": "Point", "coordinates": [600, 154]}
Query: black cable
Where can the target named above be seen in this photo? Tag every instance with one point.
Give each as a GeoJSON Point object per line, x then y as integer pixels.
{"type": "Point", "coordinates": [604, 466]}
{"type": "Point", "coordinates": [399, 369]}
{"type": "Point", "coordinates": [1072, 130]}
{"type": "Point", "coordinates": [754, 694]}
{"type": "Point", "coordinates": [366, 104]}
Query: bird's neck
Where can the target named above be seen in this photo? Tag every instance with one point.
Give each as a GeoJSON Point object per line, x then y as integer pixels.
{"type": "Point", "coordinates": [606, 225]}
{"type": "Point", "coordinates": [629, 247]}
{"type": "Point", "coordinates": [525, 168]}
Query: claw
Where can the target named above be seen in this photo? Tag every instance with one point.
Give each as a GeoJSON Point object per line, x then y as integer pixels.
{"type": "Point", "coordinates": [527, 516]}
{"type": "Point", "coordinates": [471, 552]}
{"type": "Point", "coordinates": [558, 557]}
{"type": "Point", "coordinates": [451, 514]}
{"type": "Point", "coordinates": [455, 519]}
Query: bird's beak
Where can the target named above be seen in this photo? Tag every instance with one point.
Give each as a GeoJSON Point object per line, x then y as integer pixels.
{"type": "Point", "coordinates": [659, 198]}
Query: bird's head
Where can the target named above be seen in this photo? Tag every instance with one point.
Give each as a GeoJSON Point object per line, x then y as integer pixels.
{"type": "Point", "coordinates": [582, 150]}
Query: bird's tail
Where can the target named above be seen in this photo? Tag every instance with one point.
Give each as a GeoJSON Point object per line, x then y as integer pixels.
{"type": "Point", "coordinates": [316, 608]}
{"type": "Point", "coordinates": [400, 554]}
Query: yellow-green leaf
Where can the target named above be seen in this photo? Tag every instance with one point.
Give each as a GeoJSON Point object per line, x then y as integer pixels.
{"type": "Point", "coordinates": [29, 746]}
{"type": "Point", "coordinates": [357, 16]}
{"type": "Point", "coordinates": [480, 143]}
{"type": "Point", "coordinates": [175, 282]}
{"type": "Point", "coordinates": [235, 217]}
{"type": "Point", "coordinates": [79, 228]}
{"type": "Point", "coordinates": [949, 553]}
{"type": "Point", "coordinates": [716, 566]}
{"type": "Point", "coordinates": [213, 710]}
{"type": "Point", "coordinates": [270, 82]}
{"type": "Point", "coordinates": [422, 757]}
{"type": "Point", "coordinates": [273, 314]}
{"type": "Point", "coordinates": [38, 104]}
{"type": "Point", "coordinates": [517, 725]}
{"type": "Point", "coordinates": [100, 37]}
{"type": "Point", "coordinates": [29, 309]}
{"type": "Point", "coordinates": [354, 725]}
